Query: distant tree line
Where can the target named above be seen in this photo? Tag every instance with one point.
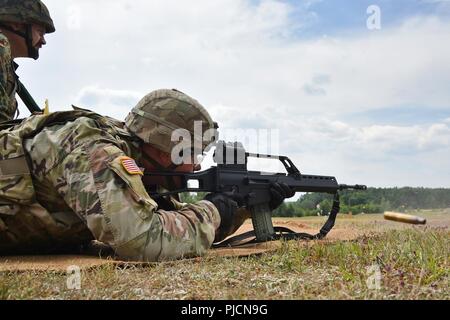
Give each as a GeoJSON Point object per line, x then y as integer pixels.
{"type": "Point", "coordinates": [374, 200]}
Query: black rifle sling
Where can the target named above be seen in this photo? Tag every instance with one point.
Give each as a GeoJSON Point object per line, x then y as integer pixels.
{"type": "Point", "coordinates": [285, 233]}
{"type": "Point", "coordinates": [26, 97]}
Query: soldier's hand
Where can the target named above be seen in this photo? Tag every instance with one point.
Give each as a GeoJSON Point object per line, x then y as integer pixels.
{"type": "Point", "coordinates": [227, 207]}
{"type": "Point", "coordinates": [279, 192]}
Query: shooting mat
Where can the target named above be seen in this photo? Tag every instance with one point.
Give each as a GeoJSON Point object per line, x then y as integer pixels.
{"type": "Point", "coordinates": [61, 263]}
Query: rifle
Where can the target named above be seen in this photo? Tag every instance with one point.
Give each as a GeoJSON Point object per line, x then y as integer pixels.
{"type": "Point", "coordinates": [253, 187]}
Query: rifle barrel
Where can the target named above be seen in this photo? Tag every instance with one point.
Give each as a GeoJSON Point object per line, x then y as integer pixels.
{"type": "Point", "coordinates": [352, 187]}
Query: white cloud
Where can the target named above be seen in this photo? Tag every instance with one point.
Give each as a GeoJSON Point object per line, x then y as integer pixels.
{"type": "Point", "coordinates": [231, 52]}
{"type": "Point", "coordinates": [242, 60]}
{"type": "Point", "coordinates": [106, 101]}
{"type": "Point", "coordinates": [374, 140]}
{"type": "Point", "coordinates": [436, 136]}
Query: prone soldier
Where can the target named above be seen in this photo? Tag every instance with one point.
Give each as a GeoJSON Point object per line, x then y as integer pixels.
{"type": "Point", "coordinates": [72, 177]}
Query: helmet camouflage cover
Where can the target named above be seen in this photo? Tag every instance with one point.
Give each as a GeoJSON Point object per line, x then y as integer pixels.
{"type": "Point", "coordinates": [27, 12]}
{"type": "Point", "coordinates": [163, 111]}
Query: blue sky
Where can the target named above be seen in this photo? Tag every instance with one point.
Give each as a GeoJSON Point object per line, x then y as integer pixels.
{"type": "Point", "coordinates": [367, 106]}
{"type": "Point", "coordinates": [333, 17]}
{"type": "Point", "coordinates": [342, 18]}
{"type": "Point", "coordinates": [400, 115]}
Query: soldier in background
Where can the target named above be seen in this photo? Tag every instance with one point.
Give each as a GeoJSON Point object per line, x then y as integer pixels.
{"type": "Point", "coordinates": [23, 25]}
{"type": "Point", "coordinates": [72, 177]}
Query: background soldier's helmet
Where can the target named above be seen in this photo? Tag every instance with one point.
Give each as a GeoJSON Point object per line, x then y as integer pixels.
{"type": "Point", "coordinates": [27, 12]}
{"type": "Point", "coordinates": [161, 112]}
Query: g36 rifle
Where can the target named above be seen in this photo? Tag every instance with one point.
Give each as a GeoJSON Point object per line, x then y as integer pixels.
{"type": "Point", "coordinates": [253, 188]}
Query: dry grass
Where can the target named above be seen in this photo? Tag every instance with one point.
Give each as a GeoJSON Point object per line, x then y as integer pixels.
{"type": "Point", "coordinates": [413, 261]}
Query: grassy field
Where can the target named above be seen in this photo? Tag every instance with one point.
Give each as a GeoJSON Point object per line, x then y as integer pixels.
{"type": "Point", "coordinates": [386, 260]}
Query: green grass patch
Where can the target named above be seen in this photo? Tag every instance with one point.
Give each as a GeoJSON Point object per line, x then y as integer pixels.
{"type": "Point", "coordinates": [412, 264]}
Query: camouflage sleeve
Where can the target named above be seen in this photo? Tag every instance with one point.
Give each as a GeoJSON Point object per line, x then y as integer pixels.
{"type": "Point", "coordinates": [8, 104]}
{"type": "Point", "coordinates": [119, 211]}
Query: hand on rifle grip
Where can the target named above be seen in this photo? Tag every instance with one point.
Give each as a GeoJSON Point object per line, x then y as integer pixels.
{"type": "Point", "coordinates": [227, 208]}
{"type": "Point", "coordinates": [279, 192]}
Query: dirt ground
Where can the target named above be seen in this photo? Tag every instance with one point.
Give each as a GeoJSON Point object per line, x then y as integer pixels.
{"type": "Point", "coordinates": [349, 227]}
{"type": "Point", "coordinates": [412, 263]}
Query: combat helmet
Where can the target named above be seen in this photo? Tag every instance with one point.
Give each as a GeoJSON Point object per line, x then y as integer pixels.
{"type": "Point", "coordinates": [27, 12]}
{"type": "Point", "coordinates": [161, 112]}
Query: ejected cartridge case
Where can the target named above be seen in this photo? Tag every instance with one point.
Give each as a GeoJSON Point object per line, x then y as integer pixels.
{"type": "Point", "coordinates": [405, 218]}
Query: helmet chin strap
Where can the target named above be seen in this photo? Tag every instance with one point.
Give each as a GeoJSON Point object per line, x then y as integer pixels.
{"type": "Point", "coordinates": [28, 36]}
{"type": "Point", "coordinates": [170, 181]}
{"type": "Point", "coordinates": [32, 51]}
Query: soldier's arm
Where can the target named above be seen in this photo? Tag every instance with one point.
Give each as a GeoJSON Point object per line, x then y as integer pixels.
{"type": "Point", "coordinates": [118, 210]}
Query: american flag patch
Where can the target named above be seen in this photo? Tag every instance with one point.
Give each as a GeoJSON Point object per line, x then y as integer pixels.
{"type": "Point", "coordinates": [130, 166]}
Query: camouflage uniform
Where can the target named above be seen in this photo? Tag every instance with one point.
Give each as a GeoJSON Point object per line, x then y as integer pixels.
{"type": "Point", "coordinates": [83, 192]}
{"type": "Point", "coordinates": [8, 83]}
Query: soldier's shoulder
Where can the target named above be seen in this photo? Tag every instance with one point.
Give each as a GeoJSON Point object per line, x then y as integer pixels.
{"type": "Point", "coordinates": [63, 131]}
{"type": "Point", "coordinates": [82, 126]}
{"type": "Point", "coordinates": [68, 131]}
